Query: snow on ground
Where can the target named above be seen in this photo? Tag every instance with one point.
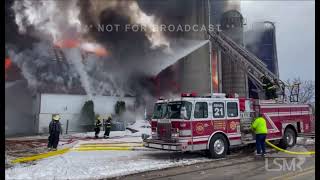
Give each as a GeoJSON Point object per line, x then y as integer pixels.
{"type": "Point", "coordinates": [100, 164]}
{"type": "Point", "coordinates": [104, 164]}
{"type": "Point", "coordinates": [143, 126]}
{"type": "Point", "coordinates": [305, 141]}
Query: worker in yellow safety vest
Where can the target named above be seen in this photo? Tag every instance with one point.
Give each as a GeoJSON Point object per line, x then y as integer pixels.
{"type": "Point", "coordinates": [259, 127]}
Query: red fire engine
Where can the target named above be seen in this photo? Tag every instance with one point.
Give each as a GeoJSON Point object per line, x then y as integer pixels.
{"type": "Point", "coordinates": [216, 123]}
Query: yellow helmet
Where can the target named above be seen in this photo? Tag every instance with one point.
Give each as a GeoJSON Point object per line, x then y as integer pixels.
{"type": "Point", "coordinates": [56, 117]}
{"type": "Point", "coordinates": [98, 117]}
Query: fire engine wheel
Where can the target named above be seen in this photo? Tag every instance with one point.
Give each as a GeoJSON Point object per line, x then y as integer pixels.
{"type": "Point", "coordinates": [289, 138]}
{"type": "Point", "coordinates": [218, 147]}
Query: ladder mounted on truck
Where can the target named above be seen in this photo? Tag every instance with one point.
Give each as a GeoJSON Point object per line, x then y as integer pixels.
{"type": "Point", "coordinates": [252, 65]}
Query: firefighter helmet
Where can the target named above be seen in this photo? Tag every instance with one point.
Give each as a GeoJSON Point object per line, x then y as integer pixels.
{"type": "Point", "coordinates": [98, 117]}
{"type": "Point", "coordinates": [56, 117]}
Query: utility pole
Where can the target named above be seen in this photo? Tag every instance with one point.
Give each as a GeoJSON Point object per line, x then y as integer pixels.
{"type": "Point", "coordinates": [210, 49]}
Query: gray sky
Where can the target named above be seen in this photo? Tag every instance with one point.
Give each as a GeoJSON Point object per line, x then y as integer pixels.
{"type": "Point", "coordinates": [295, 33]}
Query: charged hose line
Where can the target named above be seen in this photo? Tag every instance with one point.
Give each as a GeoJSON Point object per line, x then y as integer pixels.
{"type": "Point", "coordinates": [40, 156]}
{"type": "Point", "coordinates": [83, 147]}
{"type": "Point", "coordinates": [290, 152]}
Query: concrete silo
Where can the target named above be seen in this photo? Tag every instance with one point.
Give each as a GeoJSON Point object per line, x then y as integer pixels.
{"type": "Point", "coordinates": [234, 78]}
{"type": "Point", "coordinates": [196, 68]}
{"type": "Point", "coordinates": [261, 41]}
{"type": "Point", "coordinates": [231, 78]}
{"type": "Point", "coordinates": [195, 72]}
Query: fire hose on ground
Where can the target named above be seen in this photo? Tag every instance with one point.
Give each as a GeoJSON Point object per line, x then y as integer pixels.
{"type": "Point", "coordinates": [90, 147]}
{"type": "Point", "coordinates": [289, 152]}
{"type": "Point", "coordinates": [83, 147]}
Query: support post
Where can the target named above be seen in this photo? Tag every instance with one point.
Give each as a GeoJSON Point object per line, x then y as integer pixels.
{"type": "Point", "coordinates": [210, 48]}
{"type": "Point", "coordinates": [67, 126]}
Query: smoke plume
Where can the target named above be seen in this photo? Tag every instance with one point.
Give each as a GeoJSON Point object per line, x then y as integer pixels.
{"type": "Point", "coordinates": [74, 56]}
{"type": "Point", "coordinates": [131, 10]}
{"type": "Point", "coordinates": [51, 20]}
{"type": "Point", "coordinates": [60, 23]}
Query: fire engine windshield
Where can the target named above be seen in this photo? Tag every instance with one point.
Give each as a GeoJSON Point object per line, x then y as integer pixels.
{"type": "Point", "coordinates": [179, 110]}
{"type": "Point", "coordinates": [160, 110]}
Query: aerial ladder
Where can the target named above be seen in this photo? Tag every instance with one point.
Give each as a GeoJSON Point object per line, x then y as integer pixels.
{"type": "Point", "coordinates": [252, 65]}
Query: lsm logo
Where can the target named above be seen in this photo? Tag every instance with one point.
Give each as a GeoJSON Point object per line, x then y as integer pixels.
{"type": "Point", "coordinates": [285, 162]}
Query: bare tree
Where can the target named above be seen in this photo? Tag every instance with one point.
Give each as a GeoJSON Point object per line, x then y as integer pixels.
{"type": "Point", "coordinates": [306, 90]}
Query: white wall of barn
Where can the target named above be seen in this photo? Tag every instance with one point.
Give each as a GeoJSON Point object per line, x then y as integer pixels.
{"type": "Point", "coordinates": [69, 107]}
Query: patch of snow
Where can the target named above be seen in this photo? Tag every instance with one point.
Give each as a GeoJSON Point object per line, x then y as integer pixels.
{"type": "Point", "coordinates": [305, 141]}
{"type": "Point", "coordinates": [142, 126]}
{"type": "Point", "coordinates": [100, 164]}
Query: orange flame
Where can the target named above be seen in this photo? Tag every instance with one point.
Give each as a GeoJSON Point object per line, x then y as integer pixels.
{"type": "Point", "coordinates": [99, 51]}
{"type": "Point", "coordinates": [86, 46]}
{"type": "Point", "coordinates": [8, 64]}
{"type": "Point", "coordinates": [214, 61]}
{"type": "Point", "coordinates": [94, 48]}
{"type": "Point", "coordinates": [67, 43]}
{"type": "Point", "coordinates": [102, 52]}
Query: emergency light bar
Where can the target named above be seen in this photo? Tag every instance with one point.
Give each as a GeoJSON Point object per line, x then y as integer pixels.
{"type": "Point", "coordinates": [218, 95]}
{"type": "Point", "coordinates": [193, 94]}
{"type": "Point", "coordinates": [213, 95]}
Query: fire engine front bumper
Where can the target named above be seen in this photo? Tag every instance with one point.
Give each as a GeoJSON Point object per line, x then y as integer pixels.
{"type": "Point", "coordinates": [159, 144]}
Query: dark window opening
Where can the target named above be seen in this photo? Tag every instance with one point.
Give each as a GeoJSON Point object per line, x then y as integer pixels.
{"type": "Point", "coordinates": [232, 109]}
{"type": "Point", "coordinates": [201, 110]}
{"type": "Point", "coordinates": [179, 110]}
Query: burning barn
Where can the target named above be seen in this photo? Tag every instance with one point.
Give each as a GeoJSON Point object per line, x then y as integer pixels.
{"type": "Point", "coordinates": [67, 49]}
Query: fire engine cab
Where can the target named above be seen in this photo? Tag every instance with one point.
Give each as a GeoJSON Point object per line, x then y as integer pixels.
{"type": "Point", "coordinates": [215, 123]}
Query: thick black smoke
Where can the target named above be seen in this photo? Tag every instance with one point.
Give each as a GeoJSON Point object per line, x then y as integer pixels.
{"type": "Point", "coordinates": [113, 75]}
{"type": "Point", "coordinates": [134, 57]}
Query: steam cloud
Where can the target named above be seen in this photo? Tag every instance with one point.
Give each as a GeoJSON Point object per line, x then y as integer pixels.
{"type": "Point", "coordinates": [54, 19]}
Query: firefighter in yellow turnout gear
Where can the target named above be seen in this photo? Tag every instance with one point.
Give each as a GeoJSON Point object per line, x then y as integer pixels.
{"type": "Point", "coordinates": [269, 87]}
{"type": "Point", "coordinates": [259, 127]}
{"type": "Point", "coordinates": [54, 132]}
{"type": "Point", "coordinates": [97, 126]}
{"type": "Point", "coordinates": [107, 127]}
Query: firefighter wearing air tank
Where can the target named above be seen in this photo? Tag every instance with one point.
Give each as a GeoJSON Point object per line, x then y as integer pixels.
{"type": "Point", "coordinates": [97, 126]}
{"type": "Point", "coordinates": [54, 132]}
{"type": "Point", "coordinates": [259, 127]}
{"type": "Point", "coordinates": [269, 87]}
{"type": "Point", "coordinates": [107, 127]}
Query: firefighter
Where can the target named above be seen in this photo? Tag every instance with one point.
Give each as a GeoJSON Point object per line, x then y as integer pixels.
{"type": "Point", "coordinates": [97, 126]}
{"type": "Point", "coordinates": [54, 132]}
{"type": "Point", "coordinates": [259, 127]}
{"type": "Point", "coordinates": [107, 127]}
{"type": "Point", "coordinates": [183, 112]}
{"type": "Point", "coordinates": [269, 87]}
